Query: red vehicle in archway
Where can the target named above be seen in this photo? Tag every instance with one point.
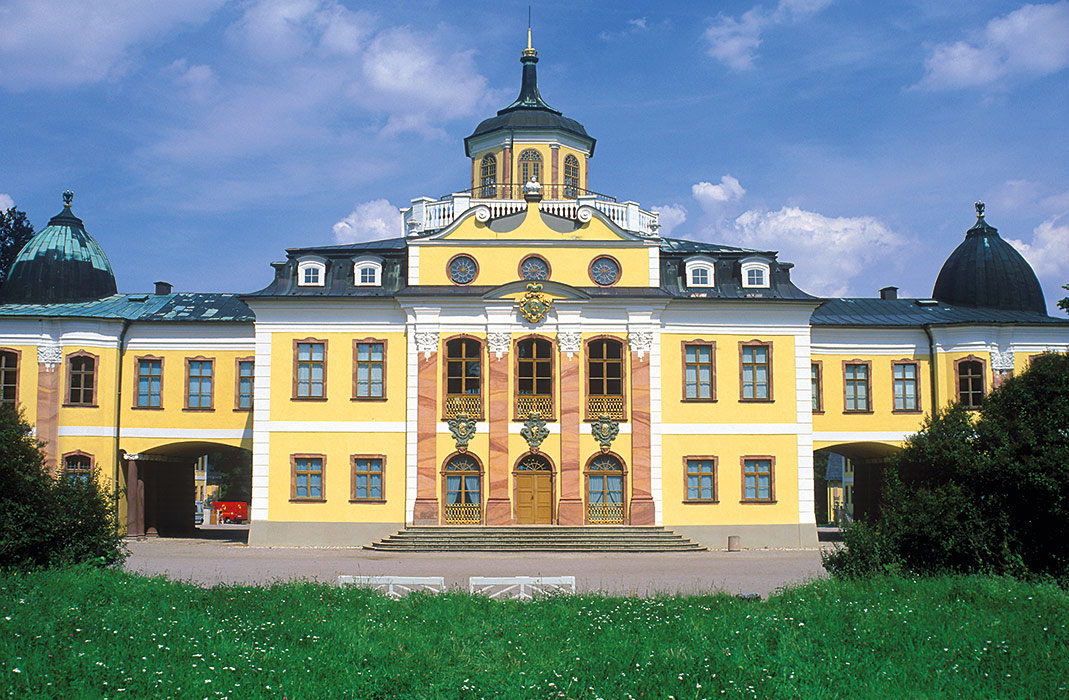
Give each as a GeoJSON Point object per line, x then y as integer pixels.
{"type": "Point", "coordinates": [231, 511]}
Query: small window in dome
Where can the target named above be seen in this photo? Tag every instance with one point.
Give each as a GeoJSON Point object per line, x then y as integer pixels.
{"type": "Point", "coordinates": [311, 273]}
{"type": "Point", "coordinates": [700, 272]}
{"type": "Point", "coordinates": [755, 273]}
{"type": "Point", "coordinates": [367, 272]}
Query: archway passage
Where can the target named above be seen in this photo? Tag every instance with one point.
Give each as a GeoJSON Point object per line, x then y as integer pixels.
{"type": "Point", "coordinates": [534, 491]}
{"type": "Point", "coordinates": [850, 486]}
{"type": "Point", "coordinates": [167, 485]}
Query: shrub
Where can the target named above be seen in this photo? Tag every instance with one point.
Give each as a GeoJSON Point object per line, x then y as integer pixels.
{"type": "Point", "coordinates": [45, 521]}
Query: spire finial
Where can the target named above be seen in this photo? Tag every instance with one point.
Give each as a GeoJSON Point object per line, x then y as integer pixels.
{"type": "Point", "coordinates": [529, 51]}
{"type": "Point", "coordinates": [979, 209]}
{"type": "Point", "coordinates": [68, 197]}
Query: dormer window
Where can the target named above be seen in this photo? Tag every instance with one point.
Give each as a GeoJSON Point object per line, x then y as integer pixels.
{"type": "Point", "coordinates": [755, 273]}
{"type": "Point", "coordinates": [700, 272]}
{"type": "Point", "coordinates": [367, 272]}
{"type": "Point", "coordinates": [311, 272]}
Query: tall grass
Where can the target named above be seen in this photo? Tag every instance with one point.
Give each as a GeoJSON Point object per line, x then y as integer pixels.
{"type": "Point", "coordinates": [88, 633]}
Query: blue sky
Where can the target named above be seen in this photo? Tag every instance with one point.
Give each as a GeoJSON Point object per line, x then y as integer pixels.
{"type": "Point", "coordinates": [203, 137]}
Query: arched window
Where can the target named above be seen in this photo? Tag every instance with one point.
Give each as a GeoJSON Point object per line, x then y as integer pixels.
{"type": "Point", "coordinates": [530, 166]}
{"type": "Point", "coordinates": [488, 178]}
{"type": "Point", "coordinates": [78, 467]}
{"type": "Point", "coordinates": [605, 378]}
{"type": "Point", "coordinates": [463, 378]}
{"type": "Point", "coordinates": [755, 273]}
{"type": "Point", "coordinates": [9, 377]}
{"type": "Point", "coordinates": [605, 490]}
{"type": "Point", "coordinates": [463, 482]}
{"type": "Point", "coordinates": [311, 272]}
{"type": "Point", "coordinates": [81, 376]}
{"type": "Point", "coordinates": [970, 382]}
{"type": "Point", "coordinates": [534, 378]}
{"type": "Point", "coordinates": [571, 177]}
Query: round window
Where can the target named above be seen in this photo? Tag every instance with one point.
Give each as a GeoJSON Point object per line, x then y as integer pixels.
{"type": "Point", "coordinates": [462, 269]}
{"type": "Point", "coordinates": [604, 271]}
{"type": "Point", "coordinates": [534, 268]}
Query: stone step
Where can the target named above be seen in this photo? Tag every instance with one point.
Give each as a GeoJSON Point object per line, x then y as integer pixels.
{"type": "Point", "coordinates": [598, 538]}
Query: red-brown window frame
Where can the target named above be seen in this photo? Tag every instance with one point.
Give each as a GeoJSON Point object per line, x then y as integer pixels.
{"type": "Point", "coordinates": [137, 382]}
{"type": "Point", "coordinates": [917, 380]}
{"type": "Point", "coordinates": [819, 364]}
{"type": "Point", "coordinates": [77, 453]}
{"type": "Point", "coordinates": [553, 352]}
{"type": "Point", "coordinates": [983, 379]}
{"type": "Point", "coordinates": [868, 386]}
{"type": "Point", "coordinates": [385, 347]}
{"type": "Point", "coordinates": [67, 403]}
{"type": "Point", "coordinates": [322, 478]}
{"type": "Point", "coordinates": [743, 344]}
{"type": "Point", "coordinates": [352, 479]}
{"type": "Point", "coordinates": [211, 395]}
{"type": "Point", "coordinates": [716, 479]}
{"type": "Point", "coordinates": [237, 383]}
{"type": "Point", "coordinates": [771, 480]}
{"type": "Point", "coordinates": [297, 342]}
{"type": "Point", "coordinates": [18, 372]}
{"type": "Point", "coordinates": [483, 365]}
{"type": "Point", "coordinates": [711, 344]}
{"type": "Point", "coordinates": [624, 355]}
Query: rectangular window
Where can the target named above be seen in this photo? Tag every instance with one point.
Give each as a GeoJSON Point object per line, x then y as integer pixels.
{"type": "Point", "coordinates": [311, 371]}
{"type": "Point", "coordinates": [149, 383]}
{"type": "Point", "coordinates": [856, 387]}
{"type": "Point", "coordinates": [905, 386]}
{"type": "Point", "coordinates": [757, 480]}
{"type": "Point", "coordinates": [698, 372]}
{"type": "Point", "coordinates": [756, 372]}
{"type": "Point", "coordinates": [817, 381]}
{"type": "Point", "coordinates": [367, 478]}
{"type": "Point", "coordinates": [9, 377]}
{"type": "Point", "coordinates": [701, 479]}
{"type": "Point", "coordinates": [199, 383]}
{"type": "Point", "coordinates": [78, 467]}
{"type": "Point", "coordinates": [370, 370]}
{"type": "Point", "coordinates": [246, 375]}
{"type": "Point", "coordinates": [81, 379]}
{"type": "Point", "coordinates": [308, 477]}
{"type": "Point", "coordinates": [970, 373]}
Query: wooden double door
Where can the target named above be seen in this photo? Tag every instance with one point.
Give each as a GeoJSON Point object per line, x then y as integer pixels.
{"type": "Point", "coordinates": [534, 498]}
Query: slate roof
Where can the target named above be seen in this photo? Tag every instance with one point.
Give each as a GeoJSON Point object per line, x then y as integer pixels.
{"type": "Point", "coordinates": [919, 312]}
{"type": "Point", "coordinates": [181, 307]}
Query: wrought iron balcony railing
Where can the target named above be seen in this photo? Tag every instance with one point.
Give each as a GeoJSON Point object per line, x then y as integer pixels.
{"type": "Point", "coordinates": [613, 406]}
{"type": "Point", "coordinates": [605, 513]}
{"type": "Point", "coordinates": [463, 514]}
{"type": "Point", "coordinates": [471, 404]}
{"type": "Point", "coordinates": [526, 404]}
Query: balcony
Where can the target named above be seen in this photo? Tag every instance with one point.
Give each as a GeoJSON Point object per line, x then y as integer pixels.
{"type": "Point", "coordinates": [612, 406]}
{"type": "Point", "coordinates": [469, 404]}
{"type": "Point", "coordinates": [525, 405]}
{"type": "Point", "coordinates": [427, 214]}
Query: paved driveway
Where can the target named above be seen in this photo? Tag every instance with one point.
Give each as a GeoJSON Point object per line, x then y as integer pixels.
{"type": "Point", "coordinates": [211, 561]}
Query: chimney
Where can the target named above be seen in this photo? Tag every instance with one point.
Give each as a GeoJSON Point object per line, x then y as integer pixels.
{"type": "Point", "coordinates": [889, 293]}
{"type": "Point", "coordinates": [163, 287]}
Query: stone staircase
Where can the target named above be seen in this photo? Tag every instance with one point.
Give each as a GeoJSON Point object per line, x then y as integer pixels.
{"type": "Point", "coordinates": [526, 538]}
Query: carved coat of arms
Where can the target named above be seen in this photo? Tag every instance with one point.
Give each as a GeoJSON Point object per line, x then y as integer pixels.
{"type": "Point", "coordinates": [463, 429]}
{"type": "Point", "coordinates": [534, 430]}
{"type": "Point", "coordinates": [605, 430]}
{"type": "Point", "coordinates": [534, 305]}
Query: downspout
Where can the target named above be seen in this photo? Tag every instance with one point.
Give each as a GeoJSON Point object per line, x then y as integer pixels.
{"type": "Point", "coordinates": [118, 405]}
{"type": "Point", "coordinates": [931, 366]}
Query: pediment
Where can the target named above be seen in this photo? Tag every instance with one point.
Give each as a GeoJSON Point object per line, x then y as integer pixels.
{"type": "Point", "coordinates": [555, 290]}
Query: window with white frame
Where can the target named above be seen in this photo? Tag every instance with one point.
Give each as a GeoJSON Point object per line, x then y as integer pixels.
{"type": "Point", "coordinates": [755, 273]}
{"type": "Point", "coordinates": [700, 273]}
{"type": "Point", "coordinates": [311, 273]}
{"type": "Point", "coordinates": [367, 273]}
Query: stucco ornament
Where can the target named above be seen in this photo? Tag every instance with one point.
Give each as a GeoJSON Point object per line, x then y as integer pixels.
{"type": "Point", "coordinates": [427, 343]}
{"type": "Point", "coordinates": [534, 430]}
{"type": "Point", "coordinates": [1001, 360]}
{"type": "Point", "coordinates": [49, 354]}
{"type": "Point", "coordinates": [534, 305]}
{"type": "Point", "coordinates": [605, 430]}
{"type": "Point", "coordinates": [641, 342]}
{"type": "Point", "coordinates": [463, 429]}
{"type": "Point", "coordinates": [570, 342]}
{"type": "Point", "coordinates": [498, 343]}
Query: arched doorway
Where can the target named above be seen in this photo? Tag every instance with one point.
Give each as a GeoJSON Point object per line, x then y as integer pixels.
{"type": "Point", "coordinates": [533, 476]}
{"type": "Point", "coordinates": [462, 484]}
{"type": "Point", "coordinates": [605, 490]}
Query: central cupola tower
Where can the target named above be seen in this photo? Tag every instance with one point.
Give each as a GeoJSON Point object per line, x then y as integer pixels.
{"type": "Point", "coordinates": [529, 140]}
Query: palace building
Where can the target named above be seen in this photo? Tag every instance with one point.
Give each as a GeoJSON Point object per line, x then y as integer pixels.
{"type": "Point", "coordinates": [525, 351]}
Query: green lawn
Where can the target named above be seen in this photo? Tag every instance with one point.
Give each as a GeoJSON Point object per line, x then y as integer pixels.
{"type": "Point", "coordinates": [85, 633]}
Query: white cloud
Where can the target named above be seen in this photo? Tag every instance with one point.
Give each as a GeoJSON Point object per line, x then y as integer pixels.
{"type": "Point", "coordinates": [1046, 252]}
{"type": "Point", "coordinates": [6, 202]}
{"type": "Point", "coordinates": [710, 196]}
{"type": "Point", "coordinates": [369, 221]}
{"type": "Point", "coordinates": [1028, 42]}
{"type": "Point", "coordinates": [199, 81]}
{"type": "Point", "coordinates": [57, 43]}
{"type": "Point", "coordinates": [835, 250]}
{"type": "Point", "coordinates": [671, 216]}
{"type": "Point", "coordinates": [735, 41]}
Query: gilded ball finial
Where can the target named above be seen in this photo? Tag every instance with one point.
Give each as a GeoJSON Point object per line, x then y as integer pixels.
{"type": "Point", "coordinates": [979, 209]}
{"type": "Point", "coordinates": [68, 197]}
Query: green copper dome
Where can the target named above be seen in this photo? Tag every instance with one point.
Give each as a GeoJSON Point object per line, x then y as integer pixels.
{"type": "Point", "coordinates": [61, 263]}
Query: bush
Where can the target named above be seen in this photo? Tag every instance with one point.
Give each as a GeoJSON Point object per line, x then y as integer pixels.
{"type": "Point", "coordinates": [969, 493]}
{"type": "Point", "coordinates": [48, 522]}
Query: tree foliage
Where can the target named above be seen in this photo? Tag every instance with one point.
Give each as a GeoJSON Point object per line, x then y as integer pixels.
{"type": "Point", "coordinates": [15, 231]}
{"type": "Point", "coordinates": [46, 521]}
{"type": "Point", "coordinates": [1063, 303]}
{"type": "Point", "coordinates": [977, 493]}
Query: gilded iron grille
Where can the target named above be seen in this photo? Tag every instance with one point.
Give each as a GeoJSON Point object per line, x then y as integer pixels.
{"type": "Point", "coordinates": [605, 513]}
{"type": "Point", "coordinates": [463, 514]}
{"type": "Point", "coordinates": [463, 403]}
{"type": "Point", "coordinates": [611, 405]}
{"type": "Point", "coordinates": [525, 405]}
